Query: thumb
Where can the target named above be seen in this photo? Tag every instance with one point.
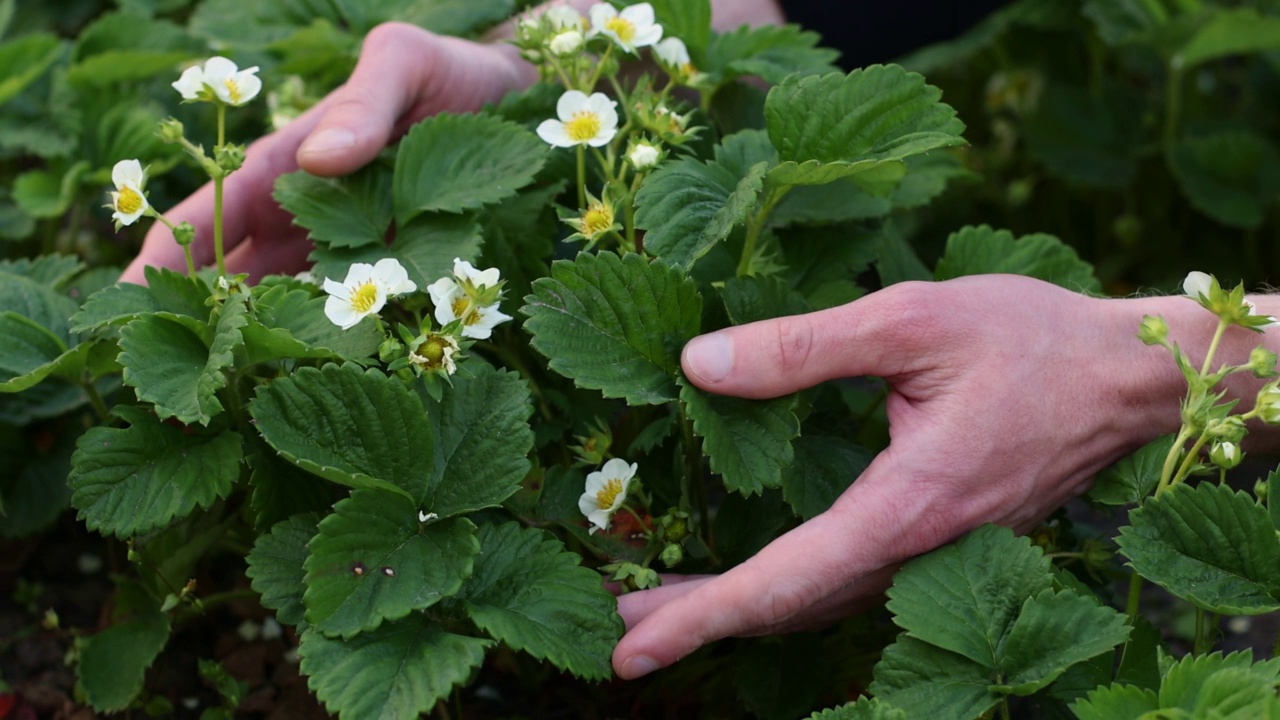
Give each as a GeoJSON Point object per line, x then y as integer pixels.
{"type": "Point", "coordinates": [404, 74]}
{"type": "Point", "coordinates": [876, 335]}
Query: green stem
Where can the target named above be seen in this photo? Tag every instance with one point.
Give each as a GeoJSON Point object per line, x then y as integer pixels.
{"type": "Point", "coordinates": [1135, 596]}
{"type": "Point", "coordinates": [1187, 461]}
{"type": "Point", "coordinates": [217, 193]}
{"type": "Point", "coordinates": [693, 476]}
{"type": "Point", "coordinates": [1172, 107]}
{"type": "Point", "coordinates": [1213, 347]}
{"type": "Point", "coordinates": [595, 76]}
{"type": "Point", "coordinates": [582, 177]}
{"type": "Point", "coordinates": [755, 224]}
{"type": "Point", "coordinates": [1197, 647]}
{"type": "Point", "coordinates": [1171, 460]}
{"type": "Point", "coordinates": [186, 249]}
{"type": "Point", "coordinates": [95, 400]}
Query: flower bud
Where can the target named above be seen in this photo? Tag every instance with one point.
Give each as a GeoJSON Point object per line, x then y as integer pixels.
{"type": "Point", "coordinates": [643, 156]}
{"type": "Point", "coordinates": [1153, 330]}
{"type": "Point", "coordinates": [672, 555]}
{"type": "Point", "coordinates": [1262, 362]}
{"type": "Point", "coordinates": [1225, 455]}
{"type": "Point", "coordinates": [184, 234]}
{"type": "Point", "coordinates": [674, 525]}
{"type": "Point", "coordinates": [1268, 404]}
{"type": "Point", "coordinates": [565, 43]}
{"type": "Point", "coordinates": [634, 577]}
{"type": "Point", "coordinates": [170, 130]}
{"type": "Point", "coordinates": [389, 350]}
{"type": "Point", "coordinates": [1229, 429]}
{"type": "Point", "coordinates": [229, 158]}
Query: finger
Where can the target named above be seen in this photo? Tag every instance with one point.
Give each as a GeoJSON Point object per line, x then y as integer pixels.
{"type": "Point", "coordinates": [839, 557]}
{"type": "Point", "coordinates": [636, 606]}
{"type": "Point", "coordinates": [283, 254]}
{"type": "Point", "coordinates": [405, 73]}
{"type": "Point", "coordinates": [881, 334]}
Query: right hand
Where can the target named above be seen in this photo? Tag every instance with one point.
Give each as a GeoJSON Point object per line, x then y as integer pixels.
{"type": "Point", "coordinates": [404, 74]}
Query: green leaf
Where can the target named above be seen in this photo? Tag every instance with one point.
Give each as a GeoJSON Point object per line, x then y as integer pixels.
{"type": "Point", "coordinates": [927, 178]}
{"type": "Point", "coordinates": [979, 250]}
{"type": "Point", "coordinates": [121, 66]}
{"type": "Point", "coordinates": [689, 20]}
{"type": "Point", "coordinates": [282, 489]}
{"type": "Point", "coordinates": [771, 52]}
{"type": "Point", "coordinates": [113, 662]}
{"type": "Point", "coordinates": [961, 599]}
{"type": "Point", "coordinates": [372, 560]}
{"type": "Point", "coordinates": [926, 681]}
{"type": "Point", "coordinates": [30, 353]}
{"type": "Point", "coordinates": [301, 316]}
{"type": "Point", "coordinates": [168, 292]}
{"type": "Point", "coordinates": [254, 25]}
{"type": "Point", "coordinates": [896, 261]}
{"type": "Point", "coordinates": [400, 670]}
{"type": "Point", "coordinates": [425, 247]}
{"type": "Point", "coordinates": [748, 442]}
{"type": "Point", "coordinates": [45, 194]}
{"type": "Point", "coordinates": [1116, 702]}
{"type": "Point", "coordinates": [275, 566]}
{"type": "Point", "coordinates": [132, 480]}
{"type": "Point", "coordinates": [1194, 683]}
{"type": "Point", "coordinates": [615, 324]}
{"type": "Point", "coordinates": [1131, 480]}
{"type": "Point", "coordinates": [54, 271]}
{"type": "Point", "coordinates": [480, 430]}
{"type": "Point", "coordinates": [1210, 546]}
{"type": "Point", "coordinates": [25, 59]}
{"type": "Point", "coordinates": [861, 124]}
{"type": "Point", "coordinates": [824, 467]}
{"type": "Point", "coordinates": [779, 678]}
{"type": "Point", "coordinates": [486, 160]}
{"type": "Point", "coordinates": [1233, 31]}
{"type": "Point", "coordinates": [1273, 498]}
{"type": "Point", "coordinates": [343, 213]}
{"type": "Point", "coordinates": [1230, 175]}
{"type": "Point", "coordinates": [688, 206]}
{"type": "Point", "coordinates": [170, 366]}
{"type": "Point", "coordinates": [754, 298]}
{"type": "Point", "coordinates": [864, 708]}
{"type": "Point", "coordinates": [531, 594]}
{"type": "Point", "coordinates": [1121, 22]}
{"type": "Point", "coordinates": [443, 17]}
{"type": "Point", "coordinates": [357, 428]}
{"type": "Point", "coordinates": [33, 489]}
{"type": "Point", "coordinates": [1087, 137]}
{"type": "Point", "coordinates": [519, 238]}
{"type": "Point", "coordinates": [1053, 632]}
{"type": "Point", "coordinates": [38, 303]}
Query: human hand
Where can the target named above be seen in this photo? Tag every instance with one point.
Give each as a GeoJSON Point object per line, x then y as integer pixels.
{"type": "Point", "coordinates": [404, 74]}
{"type": "Point", "coordinates": [1007, 395]}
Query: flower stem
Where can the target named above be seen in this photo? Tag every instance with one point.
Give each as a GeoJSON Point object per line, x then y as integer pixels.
{"type": "Point", "coordinates": [1171, 460]}
{"type": "Point", "coordinates": [582, 177]}
{"type": "Point", "coordinates": [1135, 595]}
{"type": "Point", "coordinates": [1172, 107]}
{"type": "Point", "coordinates": [1197, 647]}
{"type": "Point", "coordinates": [95, 400]}
{"type": "Point", "coordinates": [217, 194]}
{"type": "Point", "coordinates": [1213, 347]}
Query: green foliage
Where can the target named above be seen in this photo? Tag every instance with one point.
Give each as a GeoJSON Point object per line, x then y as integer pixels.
{"type": "Point", "coordinates": [688, 206]}
{"type": "Point", "coordinates": [275, 566]}
{"type": "Point", "coordinates": [980, 250]}
{"type": "Point", "coordinates": [342, 214]}
{"type": "Point", "coordinates": [25, 59]}
{"type": "Point", "coordinates": [114, 661]}
{"type": "Point", "coordinates": [748, 443]}
{"type": "Point", "coordinates": [824, 467]}
{"type": "Point", "coordinates": [1208, 545]}
{"type": "Point", "coordinates": [426, 247]}
{"type": "Point", "coordinates": [1228, 175]}
{"type": "Point", "coordinates": [772, 53]}
{"type": "Point", "coordinates": [614, 324]}
{"type": "Point", "coordinates": [1212, 685]}
{"type": "Point", "coordinates": [1132, 479]}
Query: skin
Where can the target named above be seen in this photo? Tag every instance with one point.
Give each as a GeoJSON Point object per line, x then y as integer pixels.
{"type": "Point", "coordinates": [1007, 394]}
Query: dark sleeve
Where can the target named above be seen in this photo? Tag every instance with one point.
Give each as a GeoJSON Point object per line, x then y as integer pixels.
{"type": "Point", "coordinates": [879, 31]}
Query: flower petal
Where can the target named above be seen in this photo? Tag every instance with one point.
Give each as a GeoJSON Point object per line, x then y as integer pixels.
{"type": "Point", "coordinates": [570, 102]}
{"type": "Point", "coordinates": [128, 172]}
{"type": "Point", "coordinates": [553, 133]}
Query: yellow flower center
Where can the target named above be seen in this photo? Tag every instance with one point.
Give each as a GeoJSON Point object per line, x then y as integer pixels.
{"type": "Point", "coordinates": [433, 350]}
{"type": "Point", "coordinates": [583, 126]}
{"type": "Point", "coordinates": [597, 219]}
{"type": "Point", "coordinates": [233, 90]}
{"type": "Point", "coordinates": [363, 298]}
{"type": "Point", "coordinates": [621, 27]}
{"type": "Point", "coordinates": [608, 493]}
{"type": "Point", "coordinates": [128, 201]}
{"type": "Point", "coordinates": [465, 311]}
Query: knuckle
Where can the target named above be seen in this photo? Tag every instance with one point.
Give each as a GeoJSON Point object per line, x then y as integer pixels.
{"type": "Point", "coordinates": [794, 343]}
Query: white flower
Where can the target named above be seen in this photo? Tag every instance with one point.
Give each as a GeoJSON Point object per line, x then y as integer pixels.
{"type": "Point", "coordinates": [563, 17]}
{"type": "Point", "coordinates": [605, 491]}
{"type": "Point", "coordinates": [672, 53]}
{"type": "Point", "coordinates": [1197, 285]}
{"type": "Point", "coordinates": [220, 78]}
{"type": "Point", "coordinates": [632, 28]}
{"type": "Point", "coordinates": [643, 156]}
{"type": "Point", "coordinates": [470, 296]}
{"type": "Point", "coordinates": [565, 43]}
{"type": "Point", "coordinates": [365, 291]}
{"type": "Point", "coordinates": [583, 121]}
{"type": "Point", "coordinates": [1225, 455]}
{"type": "Point", "coordinates": [128, 201]}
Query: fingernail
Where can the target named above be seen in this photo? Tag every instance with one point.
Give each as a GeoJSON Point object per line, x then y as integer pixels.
{"type": "Point", "coordinates": [710, 357]}
{"type": "Point", "coordinates": [637, 666]}
{"type": "Point", "coordinates": [328, 141]}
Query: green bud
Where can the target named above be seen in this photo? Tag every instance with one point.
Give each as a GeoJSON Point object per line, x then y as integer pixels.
{"type": "Point", "coordinates": [170, 602]}
{"type": "Point", "coordinates": [1153, 330]}
{"type": "Point", "coordinates": [229, 158]}
{"type": "Point", "coordinates": [50, 620]}
{"type": "Point", "coordinates": [184, 234]}
{"type": "Point", "coordinates": [672, 555]}
{"type": "Point", "coordinates": [1019, 192]}
{"type": "Point", "coordinates": [171, 130]}
{"type": "Point", "coordinates": [634, 577]}
{"type": "Point", "coordinates": [1229, 429]}
{"type": "Point", "coordinates": [389, 350]}
{"type": "Point", "coordinates": [1262, 362]}
{"type": "Point", "coordinates": [674, 525]}
{"type": "Point", "coordinates": [1268, 404]}
{"type": "Point", "coordinates": [1096, 554]}
{"type": "Point", "coordinates": [1225, 455]}
{"type": "Point", "coordinates": [1260, 489]}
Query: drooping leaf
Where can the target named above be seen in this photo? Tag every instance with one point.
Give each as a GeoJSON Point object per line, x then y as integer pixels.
{"type": "Point", "coordinates": [400, 670]}
{"type": "Point", "coordinates": [353, 427]}
{"type": "Point", "coordinates": [486, 160]}
{"type": "Point", "coordinates": [275, 566]}
{"type": "Point", "coordinates": [960, 599]}
{"type": "Point", "coordinates": [372, 560]}
{"type": "Point", "coordinates": [425, 247]}
{"type": "Point", "coordinates": [30, 353]}
{"type": "Point", "coordinates": [896, 261]}
{"type": "Point", "coordinates": [981, 250]}
{"type": "Point", "coordinates": [1208, 545]}
{"type": "Point", "coordinates": [1131, 480]}
{"type": "Point", "coordinates": [1229, 175]}
{"type": "Point", "coordinates": [342, 213]}
{"type": "Point", "coordinates": [824, 467]}
{"type": "Point", "coordinates": [531, 594]}
{"type": "Point", "coordinates": [481, 438]}
{"type": "Point", "coordinates": [25, 59]}
{"type": "Point", "coordinates": [47, 194]}
{"type": "Point", "coordinates": [614, 324]}
{"type": "Point", "coordinates": [1230, 31]}
{"type": "Point", "coordinates": [861, 126]}
{"type": "Point", "coordinates": [748, 442]}
{"type": "Point", "coordinates": [132, 480]}
{"type": "Point", "coordinates": [37, 302]}
{"type": "Point", "coordinates": [114, 662]}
